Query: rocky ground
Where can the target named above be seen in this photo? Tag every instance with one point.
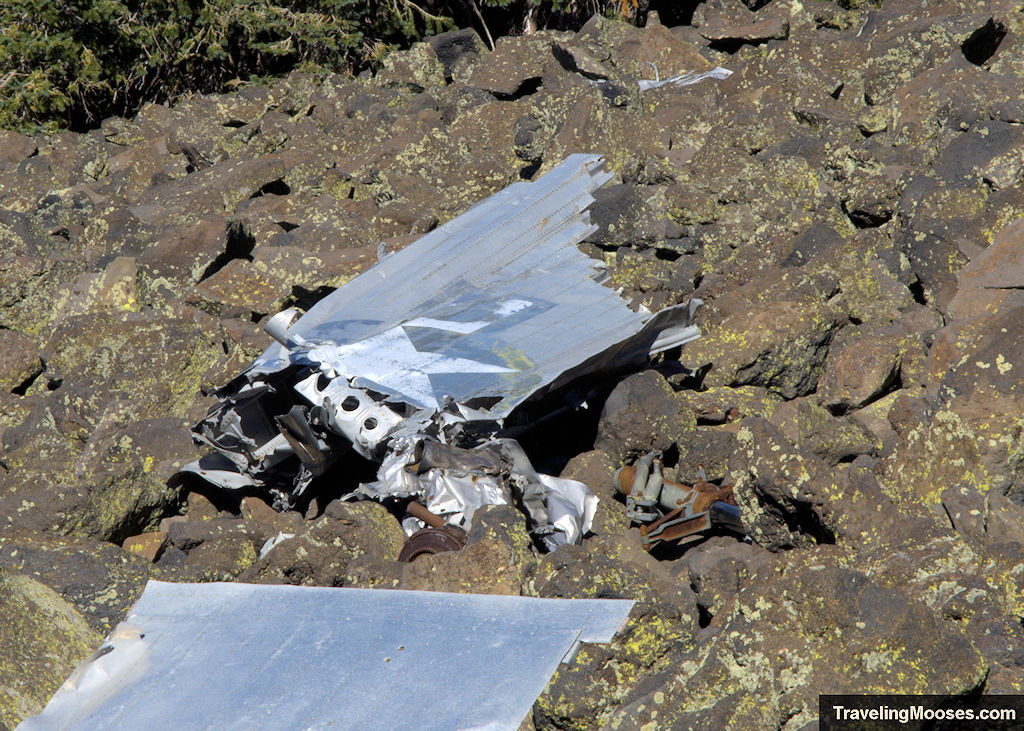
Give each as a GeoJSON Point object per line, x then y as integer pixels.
{"type": "Point", "coordinates": [848, 203]}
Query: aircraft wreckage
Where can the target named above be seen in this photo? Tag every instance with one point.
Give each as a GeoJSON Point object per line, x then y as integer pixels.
{"type": "Point", "coordinates": [427, 361]}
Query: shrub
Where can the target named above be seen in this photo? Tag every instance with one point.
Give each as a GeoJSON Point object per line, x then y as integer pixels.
{"type": "Point", "coordinates": [70, 63]}
{"type": "Point", "coordinates": [73, 62]}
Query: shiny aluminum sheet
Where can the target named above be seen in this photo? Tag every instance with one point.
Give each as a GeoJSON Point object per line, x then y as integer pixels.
{"type": "Point", "coordinates": [496, 303]}
{"type": "Point", "coordinates": [245, 656]}
{"type": "Point", "coordinates": [688, 79]}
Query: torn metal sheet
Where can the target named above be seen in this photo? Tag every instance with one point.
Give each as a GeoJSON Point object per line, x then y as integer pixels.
{"type": "Point", "coordinates": [269, 544]}
{"type": "Point", "coordinates": [687, 79]}
{"type": "Point", "coordinates": [495, 304]}
{"type": "Point", "coordinates": [442, 342]}
{"type": "Point", "coordinates": [244, 656]}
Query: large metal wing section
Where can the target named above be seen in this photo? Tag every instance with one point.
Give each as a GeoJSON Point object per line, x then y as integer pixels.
{"type": "Point", "coordinates": [494, 304]}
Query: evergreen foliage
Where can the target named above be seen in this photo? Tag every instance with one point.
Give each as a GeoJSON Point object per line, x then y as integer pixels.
{"type": "Point", "coordinates": [70, 63]}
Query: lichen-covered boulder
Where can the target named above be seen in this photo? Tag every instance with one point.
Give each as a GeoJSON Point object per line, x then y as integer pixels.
{"type": "Point", "coordinates": [640, 415]}
{"type": "Point", "coordinates": [807, 626]}
{"type": "Point", "coordinates": [783, 493]}
{"type": "Point", "coordinates": [788, 497]}
{"type": "Point", "coordinates": [810, 426]}
{"type": "Point", "coordinates": [115, 486]}
{"type": "Point", "coordinates": [976, 584]}
{"type": "Point", "coordinates": [717, 570]}
{"type": "Point", "coordinates": [19, 361]}
{"type": "Point", "coordinates": [971, 374]}
{"type": "Point", "coordinates": [458, 51]}
{"type": "Point", "coordinates": [860, 370]}
{"type": "Point", "coordinates": [583, 693]}
{"type": "Point", "coordinates": [419, 67]}
{"type": "Point", "coordinates": [514, 63]}
{"type": "Point", "coordinates": [99, 579]}
{"type": "Point", "coordinates": [42, 639]}
{"type": "Point", "coordinates": [722, 404]}
{"type": "Point", "coordinates": [319, 553]}
{"type": "Point", "coordinates": [772, 333]}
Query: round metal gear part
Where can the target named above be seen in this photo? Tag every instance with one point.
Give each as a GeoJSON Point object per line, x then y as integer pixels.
{"type": "Point", "coordinates": [432, 540]}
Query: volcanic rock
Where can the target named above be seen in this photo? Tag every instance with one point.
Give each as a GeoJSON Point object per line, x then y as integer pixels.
{"type": "Point", "coordinates": [642, 415]}
{"type": "Point", "coordinates": [43, 638]}
{"type": "Point", "coordinates": [847, 205]}
{"type": "Point", "coordinates": [892, 644]}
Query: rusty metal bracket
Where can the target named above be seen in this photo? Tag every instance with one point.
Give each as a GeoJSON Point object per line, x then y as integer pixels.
{"type": "Point", "coordinates": [677, 527]}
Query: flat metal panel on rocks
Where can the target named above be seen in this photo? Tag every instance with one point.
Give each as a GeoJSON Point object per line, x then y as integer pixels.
{"type": "Point", "coordinates": [244, 656]}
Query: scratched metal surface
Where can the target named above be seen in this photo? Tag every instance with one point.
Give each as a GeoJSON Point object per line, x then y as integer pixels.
{"type": "Point", "coordinates": [242, 656]}
{"type": "Point", "coordinates": [496, 303]}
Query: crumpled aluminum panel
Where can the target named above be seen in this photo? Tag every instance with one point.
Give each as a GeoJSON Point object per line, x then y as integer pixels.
{"type": "Point", "coordinates": [245, 656]}
{"type": "Point", "coordinates": [496, 303]}
{"type": "Point", "coordinates": [457, 489]}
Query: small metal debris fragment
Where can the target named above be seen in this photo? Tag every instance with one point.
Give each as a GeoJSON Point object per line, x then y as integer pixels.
{"type": "Point", "coordinates": [686, 79]}
{"type": "Point", "coordinates": [269, 544]}
{"type": "Point", "coordinates": [670, 511]}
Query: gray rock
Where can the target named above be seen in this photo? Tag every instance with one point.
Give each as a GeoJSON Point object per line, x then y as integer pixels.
{"type": "Point", "coordinates": [185, 256]}
{"type": "Point", "coordinates": [987, 153]}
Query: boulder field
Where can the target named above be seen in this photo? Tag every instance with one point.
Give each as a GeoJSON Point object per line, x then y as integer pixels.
{"type": "Point", "coordinates": [849, 204]}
